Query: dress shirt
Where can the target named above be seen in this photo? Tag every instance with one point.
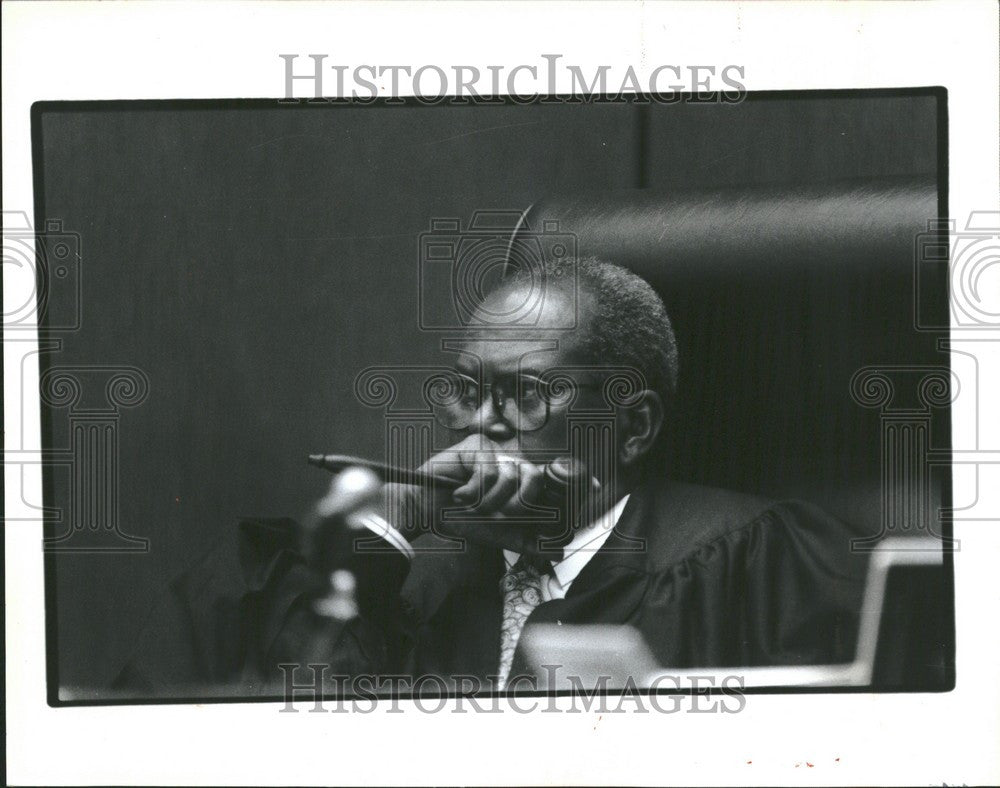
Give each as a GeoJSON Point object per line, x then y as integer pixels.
{"type": "Point", "coordinates": [576, 555]}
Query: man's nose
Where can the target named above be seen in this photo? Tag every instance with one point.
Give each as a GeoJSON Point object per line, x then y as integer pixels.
{"type": "Point", "coordinates": [490, 422]}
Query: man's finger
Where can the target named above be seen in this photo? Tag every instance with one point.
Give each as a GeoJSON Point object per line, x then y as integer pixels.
{"type": "Point", "coordinates": [447, 464]}
{"type": "Point", "coordinates": [503, 488]}
{"type": "Point", "coordinates": [531, 486]}
{"type": "Point", "coordinates": [482, 479]}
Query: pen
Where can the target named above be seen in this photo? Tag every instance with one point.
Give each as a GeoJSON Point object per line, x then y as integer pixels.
{"type": "Point", "coordinates": [339, 462]}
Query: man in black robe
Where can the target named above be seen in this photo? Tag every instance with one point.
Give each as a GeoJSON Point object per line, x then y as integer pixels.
{"type": "Point", "coordinates": [708, 578]}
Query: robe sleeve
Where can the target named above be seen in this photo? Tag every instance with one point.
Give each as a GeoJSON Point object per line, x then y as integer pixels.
{"type": "Point", "coordinates": [226, 625]}
{"type": "Point", "coordinates": [783, 589]}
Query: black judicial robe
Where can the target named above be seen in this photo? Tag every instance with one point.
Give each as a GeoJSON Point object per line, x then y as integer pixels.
{"type": "Point", "coordinates": [708, 577]}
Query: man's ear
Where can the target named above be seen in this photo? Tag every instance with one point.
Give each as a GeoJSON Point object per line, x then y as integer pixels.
{"type": "Point", "coordinates": [641, 425]}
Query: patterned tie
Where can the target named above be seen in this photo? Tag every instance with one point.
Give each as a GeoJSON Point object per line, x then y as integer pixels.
{"type": "Point", "coordinates": [521, 589]}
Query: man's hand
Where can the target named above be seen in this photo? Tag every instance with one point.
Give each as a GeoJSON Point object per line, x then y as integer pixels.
{"type": "Point", "coordinates": [503, 499]}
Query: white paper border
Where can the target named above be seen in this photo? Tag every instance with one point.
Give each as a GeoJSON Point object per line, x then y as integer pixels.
{"type": "Point", "coordinates": [119, 50]}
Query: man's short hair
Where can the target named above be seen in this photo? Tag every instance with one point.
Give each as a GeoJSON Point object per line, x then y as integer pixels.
{"type": "Point", "coordinates": [630, 325]}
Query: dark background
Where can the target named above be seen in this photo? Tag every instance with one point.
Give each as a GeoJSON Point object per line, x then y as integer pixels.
{"type": "Point", "coordinates": [251, 260]}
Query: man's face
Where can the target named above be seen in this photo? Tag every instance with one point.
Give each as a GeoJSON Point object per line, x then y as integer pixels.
{"type": "Point", "coordinates": [518, 364]}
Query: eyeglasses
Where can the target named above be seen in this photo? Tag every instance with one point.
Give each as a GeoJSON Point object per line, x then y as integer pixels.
{"type": "Point", "coordinates": [523, 401]}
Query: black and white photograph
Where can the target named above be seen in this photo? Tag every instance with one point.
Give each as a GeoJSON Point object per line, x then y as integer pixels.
{"type": "Point", "coordinates": [402, 384]}
{"type": "Point", "coordinates": [553, 391]}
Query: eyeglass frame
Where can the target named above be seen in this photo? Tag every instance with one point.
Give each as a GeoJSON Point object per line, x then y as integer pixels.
{"type": "Point", "coordinates": [498, 400]}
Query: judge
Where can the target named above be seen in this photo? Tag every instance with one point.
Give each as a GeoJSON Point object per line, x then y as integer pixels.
{"type": "Point", "coordinates": [707, 577]}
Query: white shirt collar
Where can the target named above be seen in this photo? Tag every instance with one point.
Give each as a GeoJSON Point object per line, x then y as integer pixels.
{"type": "Point", "coordinates": [578, 552]}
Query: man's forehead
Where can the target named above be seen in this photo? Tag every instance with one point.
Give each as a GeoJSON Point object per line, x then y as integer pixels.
{"type": "Point", "coordinates": [504, 353]}
{"type": "Point", "coordinates": [547, 341]}
{"type": "Point", "coordinates": [555, 308]}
